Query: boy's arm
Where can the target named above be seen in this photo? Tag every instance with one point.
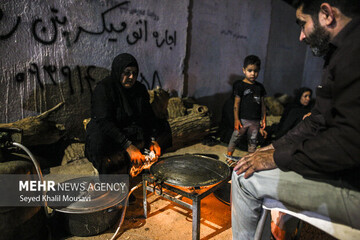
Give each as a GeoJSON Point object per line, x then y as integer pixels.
{"type": "Point", "coordinates": [263, 113]}
{"type": "Point", "coordinates": [237, 123]}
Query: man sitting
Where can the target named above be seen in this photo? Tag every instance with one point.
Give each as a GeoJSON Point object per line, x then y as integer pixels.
{"type": "Point", "coordinates": [316, 165]}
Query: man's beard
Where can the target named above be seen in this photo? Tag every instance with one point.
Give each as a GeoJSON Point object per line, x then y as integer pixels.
{"type": "Point", "coordinates": [318, 40]}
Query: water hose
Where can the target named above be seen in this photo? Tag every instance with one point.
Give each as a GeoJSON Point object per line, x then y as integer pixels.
{"type": "Point", "coordinates": [37, 168]}
{"type": "Point", "coordinates": [124, 210]}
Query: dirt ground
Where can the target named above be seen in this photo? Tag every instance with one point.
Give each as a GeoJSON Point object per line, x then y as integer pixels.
{"type": "Point", "coordinates": [168, 220]}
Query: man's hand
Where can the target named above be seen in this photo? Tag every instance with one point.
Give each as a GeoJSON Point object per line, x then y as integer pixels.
{"type": "Point", "coordinates": [154, 146]}
{"type": "Point", "coordinates": [254, 162]}
{"type": "Point", "coordinates": [237, 125]}
{"type": "Point", "coordinates": [136, 156]}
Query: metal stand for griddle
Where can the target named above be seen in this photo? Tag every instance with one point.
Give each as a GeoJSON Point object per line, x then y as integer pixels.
{"type": "Point", "coordinates": [175, 194]}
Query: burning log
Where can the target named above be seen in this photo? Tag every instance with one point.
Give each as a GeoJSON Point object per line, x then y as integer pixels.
{"type": "Point", "coordinates": [38, 130]}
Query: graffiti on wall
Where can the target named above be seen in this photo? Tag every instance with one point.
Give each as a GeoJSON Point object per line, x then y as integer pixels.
{"type": "Point", "coordinates": [48, 32]}
{"type": "Point", "coordinates": [13, 29]}
{"type": "Point", "coordinates": [68, 74]}
{"type": "Point", "coordinates": [232, 34]}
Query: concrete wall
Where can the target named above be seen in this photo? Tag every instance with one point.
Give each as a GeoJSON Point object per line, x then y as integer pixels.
{"type": "Point", "coordinates": [56, 50]}
{"type": "Point", "coordinates": [223, 33]}
{"type": "Point", "coordinates": [289, 63]}
{"type": "Point", "coordinates": [285, 59]}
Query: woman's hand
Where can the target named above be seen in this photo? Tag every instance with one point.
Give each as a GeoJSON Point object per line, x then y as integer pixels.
{"type": "Point", "coordinates": [136, 156]}
{"type": "Point", "coordinates": [154, 146]}
{"type": "Point", "coordinates": [306, 115]}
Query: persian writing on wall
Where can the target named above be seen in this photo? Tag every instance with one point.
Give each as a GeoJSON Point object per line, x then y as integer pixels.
{"type": "Point", "coordinates": [63, 44]}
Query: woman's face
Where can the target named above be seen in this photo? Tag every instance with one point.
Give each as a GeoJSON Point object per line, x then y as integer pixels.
{"type": "Point", "coordinates": [129, 76]}
{"type": "Point", "coordinates": [305, 98]}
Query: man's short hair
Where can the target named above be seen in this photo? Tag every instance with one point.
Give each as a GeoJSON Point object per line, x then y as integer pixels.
{"type": "Point", "coordinates": [350, 8]}
{"type": "Point", "coordinates": [252, 59]}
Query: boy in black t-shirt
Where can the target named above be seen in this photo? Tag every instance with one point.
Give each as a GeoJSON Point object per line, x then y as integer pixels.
{"type": "Point", "coordinates": [249, 107]}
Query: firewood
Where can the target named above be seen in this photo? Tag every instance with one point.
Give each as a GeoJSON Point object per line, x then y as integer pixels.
{"type": "Point", "coordinates": [274, 107]}
{"type": "Point", "coordinates": [175, 108]}
{"type": "Point", "coordinates": [159, 99]}
{"type": "Point", "coordinates": [38, 130]}
{"type": "Point", "coordinates": [192, 127]}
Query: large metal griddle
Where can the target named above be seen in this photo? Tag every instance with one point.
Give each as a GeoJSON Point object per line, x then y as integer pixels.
{"type": "Point", "coordinates": [191, 176]}
{"type": "Point", "coordinates": [189, 170]}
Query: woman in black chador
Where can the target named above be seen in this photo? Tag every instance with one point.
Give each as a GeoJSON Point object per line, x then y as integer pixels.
{"type": "Point", "coordinates": [295, 112]}
{"type": "Point", "coordinates": [122, 120]}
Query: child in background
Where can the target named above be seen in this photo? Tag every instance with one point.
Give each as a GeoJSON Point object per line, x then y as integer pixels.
{"type": "Point", "coordinates": [249, 107]}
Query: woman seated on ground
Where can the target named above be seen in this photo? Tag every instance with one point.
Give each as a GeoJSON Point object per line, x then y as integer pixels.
{"type": "Point", "coordinates": [122, 121]}
{"type": "Point", "coordinates": [295, 111]}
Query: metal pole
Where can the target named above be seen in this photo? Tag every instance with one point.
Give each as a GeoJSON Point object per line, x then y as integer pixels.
{"type": "Point", "coordinates": [144, 196]}
{"type": "Point", "coordinates": [196, 219]}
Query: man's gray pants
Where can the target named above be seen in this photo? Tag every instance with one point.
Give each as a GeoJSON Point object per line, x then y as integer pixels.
{"type": "Point", "coordinates": [339, 204]}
